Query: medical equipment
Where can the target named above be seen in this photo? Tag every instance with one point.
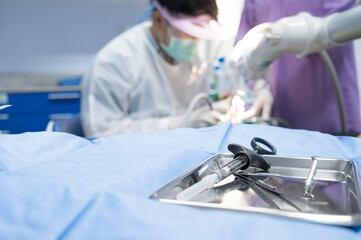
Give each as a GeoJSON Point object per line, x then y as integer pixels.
{"type": "Point", "coordinates": [195, 101]}
{"type": "Point", "coordinates": [243, 158]}
{"type": "Point", "coordinates": [316, 189]}
{"type": "Point", "coordinates": [224, 79]}
{"type": "Point", "coordinates": [302, 34]}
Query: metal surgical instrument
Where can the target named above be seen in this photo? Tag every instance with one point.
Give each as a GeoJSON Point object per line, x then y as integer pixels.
{"type": "Point", "coordinates": [243, 158]}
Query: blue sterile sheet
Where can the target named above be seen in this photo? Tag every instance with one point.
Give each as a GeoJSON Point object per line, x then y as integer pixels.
{"type": "Point", "coordinates": [59, 186]}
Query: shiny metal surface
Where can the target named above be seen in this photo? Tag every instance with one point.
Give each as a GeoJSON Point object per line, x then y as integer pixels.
{"type": "Point", "coordinates": [310, 181]}
{"type": "Point", "coordinates": [334, 184]}
{"type": "Point", "coordinates": [210, 180]}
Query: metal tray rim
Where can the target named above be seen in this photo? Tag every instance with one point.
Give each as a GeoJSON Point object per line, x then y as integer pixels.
{"type": "Point", "coordinates": [342, 220]}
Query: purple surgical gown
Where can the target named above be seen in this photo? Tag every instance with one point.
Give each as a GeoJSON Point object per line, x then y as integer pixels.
{"type": "Point", "coordinates": [302, 88]}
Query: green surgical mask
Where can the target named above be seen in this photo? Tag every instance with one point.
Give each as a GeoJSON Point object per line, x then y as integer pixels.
{"type": "Point", "coordinates": [181, 49]}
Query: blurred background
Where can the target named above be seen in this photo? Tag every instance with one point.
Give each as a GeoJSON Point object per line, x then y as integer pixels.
{"type": "Point", "coordinates": [44, 41]}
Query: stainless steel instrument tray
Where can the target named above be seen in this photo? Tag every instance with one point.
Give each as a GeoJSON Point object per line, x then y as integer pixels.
{"type": "Point", "coordinates": [337, 198]}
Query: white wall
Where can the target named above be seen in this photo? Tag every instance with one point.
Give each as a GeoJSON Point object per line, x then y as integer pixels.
{"type": "Point", "coordinates": [60, 36]}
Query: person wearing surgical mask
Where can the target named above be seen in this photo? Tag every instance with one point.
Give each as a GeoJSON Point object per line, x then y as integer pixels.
{"type": "Point", "coordinates": [145, 78]}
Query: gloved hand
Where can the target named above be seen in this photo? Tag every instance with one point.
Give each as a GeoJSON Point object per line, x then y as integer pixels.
{"type": "Point", "coordinates": [222, 106]}
{"type": "Point", "coordinates": [243, 50]}
{"type": "Point", "coordinates": [262, 106]}
{"type": "Point", "coordinates": [202, 117]}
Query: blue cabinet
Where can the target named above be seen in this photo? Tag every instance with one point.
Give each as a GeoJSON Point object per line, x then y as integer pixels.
{"type": "Point", "coordinates": [32, 110]}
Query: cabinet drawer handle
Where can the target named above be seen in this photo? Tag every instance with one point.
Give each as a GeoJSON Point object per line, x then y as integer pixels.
{"type": "Point", "coordinates": [4, 116]}
{"type": "Point", "coordinates": [60, 116]}
{"type": "Point", "coordinates": [62, 96]}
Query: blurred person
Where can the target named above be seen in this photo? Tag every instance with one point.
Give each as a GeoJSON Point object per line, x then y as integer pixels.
{"type": "Point", "coordinates": [302, 90]}
{"type": "Point", "coordinates": [145, 78]}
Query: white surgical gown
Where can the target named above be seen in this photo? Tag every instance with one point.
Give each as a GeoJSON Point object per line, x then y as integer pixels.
{"type": "Point", "coordinates": [131, 88]}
